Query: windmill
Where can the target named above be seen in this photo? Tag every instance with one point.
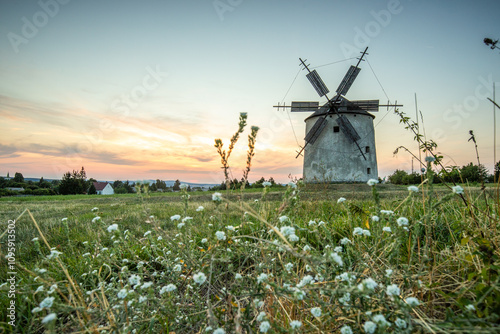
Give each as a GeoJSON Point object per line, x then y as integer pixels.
{"type": "Point", "coordinates": [340, 140]}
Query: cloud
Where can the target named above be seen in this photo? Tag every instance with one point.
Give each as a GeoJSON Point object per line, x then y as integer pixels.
{"type": "Point", "coordinates": [8, 151]}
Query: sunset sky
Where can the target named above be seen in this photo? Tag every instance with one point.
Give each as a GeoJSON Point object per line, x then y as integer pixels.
{"type": "Point", "coordinates": [140, 89]}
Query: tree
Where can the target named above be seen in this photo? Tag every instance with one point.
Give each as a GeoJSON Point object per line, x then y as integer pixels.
{"type": "Point", "coordinates": [18, 177]}
{"type": "Point", "coordinates": [473, 173]}
{"type": "Point", "coordinates": [92, 189]}
{"type": "Point", "coordinates": [74, 183]}
{"type": "Point", "coordinates": [177, 185]}
{"type": "Point", "coordinates": [117, 184]}
{"type": "Point", "coordinates": [398, 177]}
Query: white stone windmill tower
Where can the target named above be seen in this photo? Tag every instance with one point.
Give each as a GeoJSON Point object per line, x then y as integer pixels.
{"type": "Point", "coordinates": [340, 137]}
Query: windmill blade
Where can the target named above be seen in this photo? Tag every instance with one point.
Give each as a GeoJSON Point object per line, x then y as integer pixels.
{"type": "Point", "coordinates": [349, 78]}
{"type": "Point", "coordinates": [315, 131]}
{"type": "Point", "coordinates": [317, 83]}
{"type": "Point", "coordinates": [347, 128]}
{"type": "Point", "coordinates": [366, 105]}
{"type": "Point", "coordinates": [304, 106]}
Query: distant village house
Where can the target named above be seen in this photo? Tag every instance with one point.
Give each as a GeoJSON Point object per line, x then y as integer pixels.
{"type": "Point", "coordinates": [103, 188]}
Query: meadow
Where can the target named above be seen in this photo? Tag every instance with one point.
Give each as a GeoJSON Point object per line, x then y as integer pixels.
{"type": "Point", "coordinates": [360, 258]}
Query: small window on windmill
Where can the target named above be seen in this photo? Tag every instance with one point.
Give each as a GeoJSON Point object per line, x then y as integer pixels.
{"type": "Point", "coordinates": [367, 149]}
{"type": "Point", "coordinates": [336, 129]}
{"type": "Point", "coordinates": [368, 170]}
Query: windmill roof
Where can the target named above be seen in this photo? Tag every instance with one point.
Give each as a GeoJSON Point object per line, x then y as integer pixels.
{"type": "Point", "coordinates": [343, 109]}
{"type": "Point", "coordinates": [100, 185]}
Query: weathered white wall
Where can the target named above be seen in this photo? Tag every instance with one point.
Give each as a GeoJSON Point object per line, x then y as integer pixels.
{"type": "Point", "coordinates": [334, 158]}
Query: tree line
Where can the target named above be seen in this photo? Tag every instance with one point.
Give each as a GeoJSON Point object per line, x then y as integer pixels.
{"type": "Point", "coordinates": [469, 173]}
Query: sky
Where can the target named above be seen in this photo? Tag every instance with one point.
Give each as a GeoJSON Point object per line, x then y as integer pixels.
{"type": "Point", "coordinates": [140, 89]}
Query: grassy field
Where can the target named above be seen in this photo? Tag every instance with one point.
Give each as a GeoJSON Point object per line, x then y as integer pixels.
{"type": "Point", "coordinates": [316, 259]}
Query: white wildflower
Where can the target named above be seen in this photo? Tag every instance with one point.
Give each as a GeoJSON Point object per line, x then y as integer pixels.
{"type": "Point", "coordinates": [217, 197]}
{"type": "Point", "coordinates": [113, 227]}
{"type": "Point", "coordinates": [293, 237]}
{"type": "Point", "coordinates": [238, 276]}
{"type": "Point", "coordinates": [177, 268]}
{"type": "Point", "coordinates": [380, 319]}
{"type": "Point", "coordinates": [168, 288]}
{"type": "Point", "coordinates": [287, 230]}
{"type": "Point", "coordinates": [375, 219]}
{"type": "Point", "coordinates": [49, 318]}
{"type": "Point", "coordinates": [337, 259]}
{"type": "Point", "coordinates": [180, 225]}
{"type": "Point", "coordinates": [122, 293]}
{"type": "Point", "coordinates": [316, 311]}
{"type": "Point", "coordinates": [457, 190]}
{"type": "Point", "coordinates": [387, 229]}
{"type": "Point", "coordinates": [288, 266]}
{"type": "Point", "coordinates": [199, 278]}
{"type": "Point", "coordinates": [219, 331]}
{"type": "Point", "coordinates": [261, 278]}
{"type": "Point", "coordinates": [200, 208]}
{"type": "Point", "coordinates": [388, 272]}
{"type": "Point", "coordinates": [387, 212]}
{"type": "Point", "coordinates": [183, 186]}
{"type": "Point", "coordinates": [175, 217]}
{"type": "Point", "coordinates": [372, 182]}
{"type": "Point", "coordinates": [295, 324]}
{"type": "Point", "coordinates": [96, 219]}
{"type": "Point", "coordinates": [283, 219]}
{"type": "Point", "coordinates": [53, 254]}
{"type": "Point", "coordinates": [366, 233]}
{"type": "Point", "coordinates": [370, 327]}
{"type": "Point", "coordinates": [341, 200]}
{"type": "Point", "coordinates": [95, 209]}
{"type": "Point", "coordinates": [402, 221]}
{"type": "Point", "coordinates": [147, 233]}
{"type": "Point", "coordinates": [470, 307]}
{"type": "Point", "coordinates": [266, 184]}
{"type": "Point", "coordinates": [47, 302]}
{"type": "Point", "coordinates": [370, 283]}
{"type": "Point", "coordinates": [393, 290]}
{"type": "Point", "coordinates": [134, 280]}
{"type": "Point", "coordinates": [413, 189]}
{"type": "Point", "coordinates": [146, 285]}
{"type": "Point", "coordinates": [357, 231]}
{"type": "Point", "coordinates": [345, 330]}
{"type": "Point", "coordinates": [204, 240]}
{"type": "Point", "coordinates": [412, 301]}
{"type": "Point", "coordinates": [345, 241]}
{"type": "Point", "coordinates": [306, 248]}
{"type": "Point", "coordinates": [264, 326]}
{"type": "Point", "coordinates": [220, 235]}
{"type": "Point", "coordinates": [261, 316]}
{"type": "Point", "coordinates": [400, 323]}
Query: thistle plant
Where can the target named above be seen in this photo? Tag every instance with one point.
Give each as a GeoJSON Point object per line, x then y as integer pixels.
{"type": "Point", "coordinates": [224, 156]}
{"type": "Point", "coordinates": [251, 147]}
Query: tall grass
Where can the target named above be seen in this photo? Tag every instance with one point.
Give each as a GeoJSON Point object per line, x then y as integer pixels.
{"type": "Point", "coordinates": [423, 262]}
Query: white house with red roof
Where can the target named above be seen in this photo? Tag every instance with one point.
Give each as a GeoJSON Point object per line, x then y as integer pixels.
{"type": "Point", "coordinates": [104, 188]}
